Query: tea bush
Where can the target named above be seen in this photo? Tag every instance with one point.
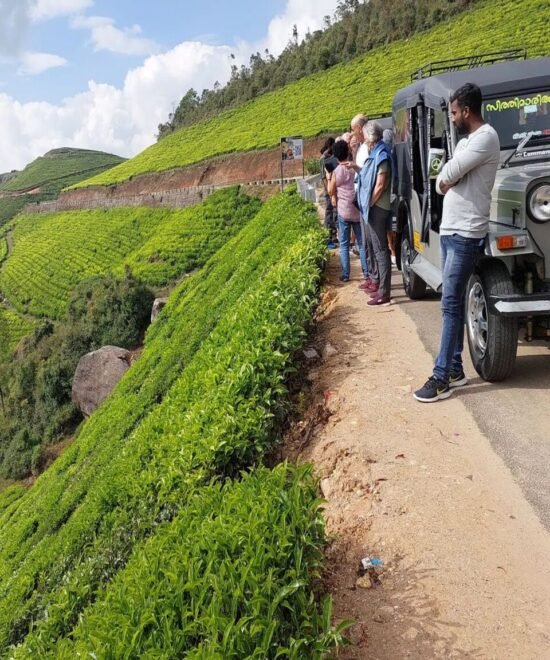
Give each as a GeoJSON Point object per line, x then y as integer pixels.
{"type": "Point", "coordinates": [202, 403]}
{"type": "Point", "coordinates": [12, 328]}
{"type": "Point", "coordinates": [52, 253]}
{"type": "Point", "coordinates": [229, 577]}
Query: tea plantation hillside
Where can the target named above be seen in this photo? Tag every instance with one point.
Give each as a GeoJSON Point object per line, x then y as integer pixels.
{"type": "Point", "coordinates": [327, 101]}
{"type": "Point", "coordinates": [49, 174]}
{"type": "Point", "coordinates": [12, 328]}
{"type": "Point", "coordinates": [59, 164]}
{"type": "Point", "coordinates": [158, 245]}
{"type": "Point", "coordinates": [145, 538]}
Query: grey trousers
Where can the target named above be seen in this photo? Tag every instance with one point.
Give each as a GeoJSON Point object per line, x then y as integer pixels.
{"type": "Point", "coordinates": [377, 232]}
{"type": "Point", "coordinates": [369, 252]}
{"type": "Point", "coordinates": [374, 273]}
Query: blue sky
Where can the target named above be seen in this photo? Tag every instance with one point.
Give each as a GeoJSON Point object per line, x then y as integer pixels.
{"type": "Point", "coordinates": [103, 73]}
{"type": "Point", "coordinates": [166, 22]}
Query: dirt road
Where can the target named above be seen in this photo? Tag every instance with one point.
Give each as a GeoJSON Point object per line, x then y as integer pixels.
{"type": "Point", "coordinates": [466, 559]}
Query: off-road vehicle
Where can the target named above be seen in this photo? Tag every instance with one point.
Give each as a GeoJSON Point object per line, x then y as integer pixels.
{"type": "Point", "coordinates": [510, 289]}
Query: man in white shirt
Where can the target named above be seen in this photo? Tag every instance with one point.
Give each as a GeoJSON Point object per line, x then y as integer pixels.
{"type": "Point", "coordinates": [466, 181]}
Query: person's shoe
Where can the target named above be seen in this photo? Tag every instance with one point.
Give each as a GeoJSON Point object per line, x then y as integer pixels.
{"type": "Point", "coordinates": [375, 294]}
{"type": "Point", "coordinates": [457, 380]}
{"type": "Point", "coordinates": [371, 288]}
{"type": "Point", "coordinates": [433, 390]}
{"type": "Point", "coordinates": [382, 301]}
{"type": "Point", "coordinates": [331, 246]}
{"type": "Point", "coordinates": [365, 283]}
{"type": "Point", "coordinates": [344, 278]}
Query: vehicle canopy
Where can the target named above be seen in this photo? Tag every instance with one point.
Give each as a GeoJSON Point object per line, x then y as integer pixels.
{"type": "Point", "coordinates": [499, 79]}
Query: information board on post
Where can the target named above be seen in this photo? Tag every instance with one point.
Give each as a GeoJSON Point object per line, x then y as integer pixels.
{"type": "Point", "coordinates": [292, 148]}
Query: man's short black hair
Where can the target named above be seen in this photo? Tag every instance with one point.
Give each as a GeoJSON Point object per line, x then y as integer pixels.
{"type": "Point", "coordinates": [341, 150]}
{"type": "Point", "coordinates": [468, 96]}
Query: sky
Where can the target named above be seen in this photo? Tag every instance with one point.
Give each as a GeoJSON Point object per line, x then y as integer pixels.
{"type": "Point", "coordinates": [102, 74]}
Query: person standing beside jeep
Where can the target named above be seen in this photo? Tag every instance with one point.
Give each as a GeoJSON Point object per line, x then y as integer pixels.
{"type": "Point", "coordinates": [466, 181]}
{"type": "Point", "coordinates": [373, 196]}
{"type": "Point", "coordinates": [359, 154]}
{"type": "Point", "coordinates": [341, 185]}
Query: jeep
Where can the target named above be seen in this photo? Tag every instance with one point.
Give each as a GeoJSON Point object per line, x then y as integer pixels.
{"type": "Point", "coordinates": [510, 289]}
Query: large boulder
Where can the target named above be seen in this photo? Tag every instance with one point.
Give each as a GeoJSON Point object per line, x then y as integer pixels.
{"type": "Point", "coordinates": [158, 306]}
{"type": "Point", "coordinates": [96, 376]}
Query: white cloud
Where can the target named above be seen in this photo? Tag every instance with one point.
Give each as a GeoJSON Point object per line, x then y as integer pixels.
{"type": "Point", "coordinates": [43, 10]}
{"type": "Point", "coordinates": [124, 120]}
{"type": "Point", "coordinates": [106, 36]}
{"type": "Point", "coordinates": [31, 64]}
{"type": "Point", "coordinates": [120, 120]}
{"type": "Point", "coordinates": [305, 14]}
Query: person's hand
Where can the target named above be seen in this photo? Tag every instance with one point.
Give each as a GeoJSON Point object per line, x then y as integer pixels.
{"type": "Point", "coordinates": [444, 187]}
{"type": "Point", "coordinates": [349, 165]}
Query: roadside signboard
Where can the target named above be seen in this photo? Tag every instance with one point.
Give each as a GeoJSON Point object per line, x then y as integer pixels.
{"type": "Point", "coordinates": [292, 148]}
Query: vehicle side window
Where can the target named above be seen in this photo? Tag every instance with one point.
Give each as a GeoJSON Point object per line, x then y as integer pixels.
{"type": "Point", "coordinates": [437, 128]}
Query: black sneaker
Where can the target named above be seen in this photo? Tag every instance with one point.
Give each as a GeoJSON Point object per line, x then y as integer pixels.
{"type": "Point", "coordinates": [433, 390]}
{"type": "Point", "coordinates": [457, 379]}
{"type": "Point", "coordinates": [344, 278]}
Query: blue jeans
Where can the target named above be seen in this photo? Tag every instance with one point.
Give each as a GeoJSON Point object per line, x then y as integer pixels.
{"type": "Point", "coordinates": [344, 229]}
{"type": "Point", "coordinates": [459, 256]}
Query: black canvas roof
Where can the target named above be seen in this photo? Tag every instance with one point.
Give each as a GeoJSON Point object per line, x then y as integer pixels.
{"type": "Point", "coordinates": [504, 78]}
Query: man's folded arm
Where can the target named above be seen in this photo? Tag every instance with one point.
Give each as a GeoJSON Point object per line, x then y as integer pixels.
{"type": "Point", "coordinates": [475, 154]}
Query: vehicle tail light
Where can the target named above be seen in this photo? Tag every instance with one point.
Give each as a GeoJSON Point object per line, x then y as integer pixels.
{"type": "Point", "coordinates": [511, 242]}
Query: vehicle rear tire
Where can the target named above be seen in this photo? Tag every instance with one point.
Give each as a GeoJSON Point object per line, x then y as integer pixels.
{"type": "Point", "coordinates": [492, 338]}
{"type": "Point", "coordinates": [414, 286]}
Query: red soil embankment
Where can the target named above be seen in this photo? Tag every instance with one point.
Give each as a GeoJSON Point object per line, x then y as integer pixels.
{"type": "Point", "coordinates": [185, 186]}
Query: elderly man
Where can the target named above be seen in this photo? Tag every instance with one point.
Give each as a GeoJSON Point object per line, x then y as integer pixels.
{"type": "Point", "coordinates": [466, 181]}
{"type": "Point", "coordinates": [358, 153]}
{"type": "Point", "coordinates": [373, 195]}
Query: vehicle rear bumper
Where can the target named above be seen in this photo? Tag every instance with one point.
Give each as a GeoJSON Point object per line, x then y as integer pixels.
{"type": "Point", "coordinates": [536, 304]}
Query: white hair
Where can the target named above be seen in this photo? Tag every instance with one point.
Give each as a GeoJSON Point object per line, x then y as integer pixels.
{"type": "Point", "coordinates": [373, 131]}
{"type": "Point", "coordinates": [359, 121]}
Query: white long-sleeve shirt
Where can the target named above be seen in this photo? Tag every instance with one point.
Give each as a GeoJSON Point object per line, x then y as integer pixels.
{"type": "Point", "coordinates": [472, 169]}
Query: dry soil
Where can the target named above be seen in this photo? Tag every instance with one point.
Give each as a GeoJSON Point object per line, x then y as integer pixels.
{"type": "Point", "coordinates": [466, 561]}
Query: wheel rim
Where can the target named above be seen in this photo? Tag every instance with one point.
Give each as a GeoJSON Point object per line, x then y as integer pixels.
{"type": "Point", "coordinates": [478, 325]}
{"type": "Point", "coordinates": [406, 263]}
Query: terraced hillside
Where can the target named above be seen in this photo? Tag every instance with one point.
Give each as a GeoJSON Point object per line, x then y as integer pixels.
{"type": "Point", "coordinates": [327, 101]}
{"type": "Point", "coordinates": [48, 175]}
{"type": "Point", "coordinates": [12, 328]}
{"type": "Point", "coordinates": [145, 539]}
{"type": "Point", "coordinates": [52, 253]}
{"type": "Point", "coordinates": [59, 164]}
